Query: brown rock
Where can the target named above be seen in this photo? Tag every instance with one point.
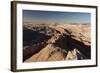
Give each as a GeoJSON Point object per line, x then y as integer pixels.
{"type": "Point", "coordinates": [65, 42]}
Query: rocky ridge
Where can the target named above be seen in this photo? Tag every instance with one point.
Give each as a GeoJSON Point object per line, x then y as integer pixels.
{"type": "Point", "coordinates": [56, 42]}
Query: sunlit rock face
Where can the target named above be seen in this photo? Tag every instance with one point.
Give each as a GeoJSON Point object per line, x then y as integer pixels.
{"type": "Point", "coordinates": [56, 42]}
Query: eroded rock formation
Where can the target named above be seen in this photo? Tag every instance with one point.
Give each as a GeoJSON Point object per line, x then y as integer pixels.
{"type": "Point", "coordinates": [55, 43]}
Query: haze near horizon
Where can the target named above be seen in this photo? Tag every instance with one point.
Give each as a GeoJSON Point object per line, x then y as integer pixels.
{"type": "Point", "coordinates": [55, 16]}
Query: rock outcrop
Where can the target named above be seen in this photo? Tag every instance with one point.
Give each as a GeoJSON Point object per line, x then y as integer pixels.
{"type": "Point", "coordinates": [56, 43]}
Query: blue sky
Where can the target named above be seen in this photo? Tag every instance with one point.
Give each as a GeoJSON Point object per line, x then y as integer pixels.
{"type": "Point", "coordinates": [53, 16]}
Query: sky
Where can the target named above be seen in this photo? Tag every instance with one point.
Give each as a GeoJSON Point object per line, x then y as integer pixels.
{"type": "Point", "coordinates": [55, 16]}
